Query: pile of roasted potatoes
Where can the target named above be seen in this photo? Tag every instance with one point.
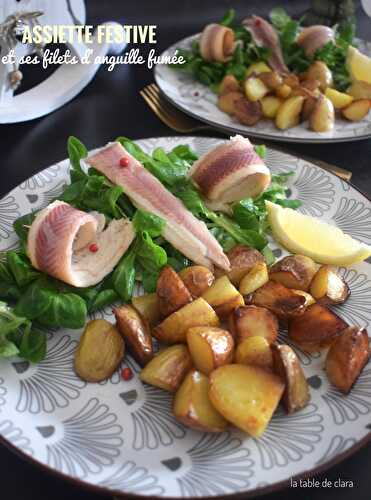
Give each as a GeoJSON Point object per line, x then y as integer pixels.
{"type": "Point", "coordinates": [219, 353]}
{"type": "Point", "coordinates": [290, 99]}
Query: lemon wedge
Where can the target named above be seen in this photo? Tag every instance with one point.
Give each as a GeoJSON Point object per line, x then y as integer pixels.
{"type": "Point", "coordinates": [359, 65]}
{"type": "Point", "coordinates": [309, 236]}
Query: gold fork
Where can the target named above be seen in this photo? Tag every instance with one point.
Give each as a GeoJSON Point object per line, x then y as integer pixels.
{"type": "Point", "coordinates": [184, 124]}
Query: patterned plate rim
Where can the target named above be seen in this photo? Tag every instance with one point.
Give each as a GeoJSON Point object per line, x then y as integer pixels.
{"type": "Point", "coordinates": [257, 492]}
{"type": "Point", "coordinates": [236, 129]}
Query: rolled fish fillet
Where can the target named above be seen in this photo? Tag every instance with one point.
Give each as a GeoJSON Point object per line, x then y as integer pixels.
{"type": "Point", "coordinates": [217, 43]}
{"type": "Point", "coordinates": [73, 246]}
{"type": "Point", "coordinates": [231, 172]}
{"type": "Point", "coordinates": [184, 231]}
{"type": "Point", "coordinates": [315, 37]}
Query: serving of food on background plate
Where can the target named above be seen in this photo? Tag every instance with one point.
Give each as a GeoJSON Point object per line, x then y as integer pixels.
{"type": "Point", "coordinates": [277, 79]}
{"type": "Point", "coordinates": [224, 283]}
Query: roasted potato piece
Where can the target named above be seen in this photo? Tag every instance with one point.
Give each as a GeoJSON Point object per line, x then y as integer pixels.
{"type": "Point", "coordinates": [227, 102]}
{"type": "Point", "coordinates": [247, 112]}
{"type": "Point", "coordinates": [308, 107]}
{"type": "Point", "coordinates": [328, 287]}
{"type": "Point", "coordinates": [255, 89]}
{"type": "Point", "coordinates": [270, 105]}
{"type": "Point", "coordinates": [288, 114]}
{"type": "Point", "coordinates": [311, 85]}
{"type": "Point", "coordinates": [174, 328]}
{"type": "Point", "coordinates": [347, 357]}
{"type": "Point", "coordinates": [135, 332]}
{"type": "Point", "coordinates": [309, 300]}
{"type": "Point", "coordinates": [242, 258]}
{"type": "Point", "coordinates": [197, 279]}
{"type": "Point", "coordinates": [287, 366]}
{"type": "Point", "coordinates": [316, 327]}
{"type": "Point", "coordinates": [168, 368]}
{"type": "Point", "coordinates": [271, 79]}
{"type": "Point", "coordinates": [356, 111]}
{"type": "Point", "coordinates": [100, 351]}
{"type": "Point", "coordinates": [252, 321]}
{"type": "Point", "coordinates": [223, 297]}
{"type": "Point", "coordinates": [210, 347]}
{"type": "Point", "coordinates": [246, 396]}
{"type": "Point", "coordinates": [254, 279]}
{"type": "Point", "coordinates": [254, 351]}
{"type": "Point", "coordinates": [360, 90]}
{"type": "Point", "coordinates": [257, 68]}
{"type": "Point", "coordinates": [291, 80]}
{"type": "Point", "coordinates": [148, 307]}
{"type": "Point", "coordinates": [171, 292]}
{"type": "Point", "coordinates": [294, 271]}
{"type": "Point", "coordinates": [283, 91]}
{"type": "Point", "coordinates": [229, 84]}
{"type": "Point", "coordinates": [192, 405]}
{"type": "Point", "coordinates": [319, 71]}
{"type": "Point", "coordinates": [322, 118]}
{"type": "Point", "coordinates": [277, 298]}
{"type": "Point", "coordinates": [339, 99]}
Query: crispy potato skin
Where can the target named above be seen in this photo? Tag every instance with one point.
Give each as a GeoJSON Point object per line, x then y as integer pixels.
{"type": "Point", "coordinates": [347, 357]}
{"type": "Point", "coordinates": [171, 292]}
{"type": "Point", "coordinates": [254, 351]}
{"type": "Point", "coordinates": [271, 79]}
{"type": "Point", "coordinates": [136, 333]}
{"type": "Point", "coordinates": [192, 406]}
{"type": "Point", "coordinates": [100, 351]}
{"type": "Point", "coordinates": [287, 366]}
{"type": "Point", "coordinates": [280, 300]}
{"type": "Point", "coordinates": [322, 118]}
{"type": "Point", "coordinates": [319, 71]}
{"type": "Point", "coordinates": [147, 306]}
{"type": "Point", "coordinates": [223, 297]}
{"type": "Point", "coordinates": [227, 101]}
{"type": "Point", "coordinates": [229, 84]}
{"type": "Point", "coordinates": [168, 368]}
{"type": "Point", "coordinates": [294, 271]}
{"type": "Point", "coordinates": [251, 321]}
{"type": "Point", "coordinates": [328, 287]}
{"type": "Point", "coordinates": [316, 327]}
{"type": "Point", "coordinates": [242, 258]}
{"type": "Point", "coordinates": [174, 328]}
{"type": "Point", "coordinates": [247, 112]}
{"type": "Point", "coordinates": [210, 347]}
{"type": "Point", "coordinates": [197, 279]}
{"type": "Point", "coordinates": [357, 110]}
{"type": "Point", "coordinates": [246, 396]}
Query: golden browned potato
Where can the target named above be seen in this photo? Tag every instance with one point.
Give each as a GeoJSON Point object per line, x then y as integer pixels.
{"type": "Point", "coordinates": [308, 107]}
{"type": "Point", "coordinates": [294, 271]}
{"type": "Point", "coordinates": [287, 366]}
{"type": "Point", "coordinates": [283, 91]}
{"type": "Point", "coordinates": [255, 351]}
{"type": "Point", "coordinates": [246, 396]}
{"type": "Point", "coordinates": [316, 327]}
{"type": "Point", "coordinates": [328, 287]}
{"type": "Point", "coordinates": [254, 279]}
{"type": "Point", "coordinates": [322, 118]}
{"type": "Point", "coordinates": [319, 71]}
{"type": "Point", "coordinates": [311, 85]}
{"type": "Point", "coordinates": [360, 90]}
{"type": "Point", "coordinates": [339, 99]}
{"type": "Point", "coordinates": [347, 357]}
{"type": "Point", "coordinates": [229, 84]}
{"type": "Point", "coordinates": [309, 299]}
{"type": "Point", "coordinates": [288, 114]}
{"type": "Point", "coordinates": [270, 105]}
{"type": "Point", "coordinates": [251, 321]}
{"type": "Point", "coordinates": [148, 307]}
{"type": "Point", "coordinates": [291, 80]}
{"type": "Point", "coordinates": [255, 89]}
{"type": "Point", "coordinates": [192, 405]}
{"type": "Point", "coordinates": [136, 333]}
{"type": "Point", "coordinates": [174, 328]}
{"type": "Point", "coordinates": [171, 292]}
{"type": "Point", "coordinates": [242, 258]}
{"type": "Point", "coordinates": [227, 102]}
{"type": "Point", "coordinates": [271, 79]}
{"type": "Point", "coordinates": [356, 111]}
{"type": "Point", "coordinates": [100, 351]}
{"type": "Point", "coordinates": [168, 368]}
{"type": "Point", "coordinates": [223, 297]}
{"type": "Point", "coordinates": [197, 279]}
{"type": "Point", "coordinates": [210, 347]}
{"type": "Point", "coordinates": [277, 298]}
{"type": "Point", "coordinates": [247, 112]}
